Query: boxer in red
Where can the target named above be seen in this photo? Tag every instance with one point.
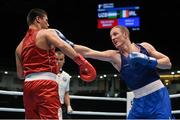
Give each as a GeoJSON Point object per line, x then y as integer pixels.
{"type": "Point", "coordinates": [36, 63]}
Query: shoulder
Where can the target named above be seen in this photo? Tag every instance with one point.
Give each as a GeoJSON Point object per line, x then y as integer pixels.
{"type": "Point", "coordinates": [147, 46]}
{"type": "Point", "coordinates": [65, 74]}
{"type": "Point", "coordinates": [46, 32]}
{"type": "Point", "coordinates": [114, 54]}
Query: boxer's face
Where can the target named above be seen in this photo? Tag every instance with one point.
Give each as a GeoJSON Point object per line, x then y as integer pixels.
{"type": "Point", "coordinates": [118, 37]}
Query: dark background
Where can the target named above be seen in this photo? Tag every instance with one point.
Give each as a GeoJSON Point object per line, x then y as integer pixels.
{"type": "Point", "coordinates": [77, 19]}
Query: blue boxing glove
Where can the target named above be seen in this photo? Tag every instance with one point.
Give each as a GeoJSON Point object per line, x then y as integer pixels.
{"type": "Point", "coordinates": [64, 38]}
{"type": "Point", "coordinates": [140, 58]}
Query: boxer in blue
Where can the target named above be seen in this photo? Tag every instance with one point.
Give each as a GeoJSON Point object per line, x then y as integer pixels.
{"type": "Point", "coordinates": [137, 65]}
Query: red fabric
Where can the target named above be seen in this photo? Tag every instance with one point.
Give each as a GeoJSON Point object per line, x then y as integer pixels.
{"type": "Point", "coordinates": [41, 99]}
{"type": "Point", "coordinates": [86, 70]}
{"type": "Point", "coordinates": [35, 59]}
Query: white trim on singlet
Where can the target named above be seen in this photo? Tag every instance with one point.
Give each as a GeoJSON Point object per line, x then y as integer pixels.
{"type": "Point", "coordinates": [41, 76]}
{"type": "Point", "coordinates": [148, 89]}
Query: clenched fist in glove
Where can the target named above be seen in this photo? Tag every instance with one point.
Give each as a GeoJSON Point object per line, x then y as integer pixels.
{"type": "Point", "coordinates": [87, 71]}
{"type": "Point", "coordinates": [136, 57]}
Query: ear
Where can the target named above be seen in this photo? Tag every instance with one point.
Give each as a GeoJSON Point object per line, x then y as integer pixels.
{"type": "Point", "coordinates": [126, 35]}
{"type": "Point", "coordinates": [38, 19]}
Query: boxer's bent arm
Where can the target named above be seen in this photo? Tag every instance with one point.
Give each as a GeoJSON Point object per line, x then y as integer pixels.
{"type": "Point", "coordinates": [162, 60]}
{"type": "Point", "coordinates": [87, 71]}
{"type": "Point", "coordinates": [19, 67]}
{"type": "Point", "coordinates": [53, 38]}
{"type": "Point", "coordinates": [64, 38]}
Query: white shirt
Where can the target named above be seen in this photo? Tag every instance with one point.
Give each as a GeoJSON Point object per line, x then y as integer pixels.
{"type": "Point", "coordinates": [63, 80]}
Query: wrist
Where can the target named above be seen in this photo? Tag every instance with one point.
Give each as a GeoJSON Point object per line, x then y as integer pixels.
{"type": "Point", "coordinates": [79, 59]}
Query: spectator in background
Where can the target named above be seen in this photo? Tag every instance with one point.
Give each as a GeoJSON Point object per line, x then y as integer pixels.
{"type": "Point", "coordinates": [63, 79]}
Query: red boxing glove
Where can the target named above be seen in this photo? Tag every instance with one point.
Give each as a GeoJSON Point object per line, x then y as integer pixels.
{"type": "Point", "coordinates": [87, 71]}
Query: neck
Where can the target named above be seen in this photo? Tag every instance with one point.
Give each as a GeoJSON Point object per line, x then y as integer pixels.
{"type": "Point", "coordinates": [35, 27]}
{"type": "Point", "coordinates": [126, 48]}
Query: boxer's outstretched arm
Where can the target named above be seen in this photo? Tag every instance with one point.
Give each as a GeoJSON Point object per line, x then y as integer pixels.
{"type": "Point", "coordinates": [111, 56]}
{"type": "Point", "coordinates": [88, 52]}
{"type": "Point", "coordinates": [94, 54]}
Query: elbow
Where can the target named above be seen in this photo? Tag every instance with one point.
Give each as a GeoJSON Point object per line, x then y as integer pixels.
{"type": "Point", "coordinates": [169, 64]}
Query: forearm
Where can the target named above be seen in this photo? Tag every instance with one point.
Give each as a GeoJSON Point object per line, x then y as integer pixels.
{"type": "Point", "coordinates": [20, 73]}
{"type": "Point", "coordinates": [164, 63]}
{"type": "Point", "coordinates": [59, 43]}
{"type": "Point", "coordinates": [83, 50]}
{"type": "Point", "coordinates": [67, 99]}
{"type": "Point", "coordinates": [67, 50]}
{"type": "Point", "coordinates": [94, 54]}
{"type": "Point", "coordinates": [19, 67]}
{"type": "Point", "coordinates": [67, 102]}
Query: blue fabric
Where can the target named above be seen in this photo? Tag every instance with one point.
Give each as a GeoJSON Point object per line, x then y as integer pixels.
{"type": "Point", "coordinates": [139, 76]}
{"type": "Point", "coordinates": [153, 106]}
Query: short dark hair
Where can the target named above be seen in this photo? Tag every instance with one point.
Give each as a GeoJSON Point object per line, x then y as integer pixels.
{"type": "Point", "coordinates": [33, 13]}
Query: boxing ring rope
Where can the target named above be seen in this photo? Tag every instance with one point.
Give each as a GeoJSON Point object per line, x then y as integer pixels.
{"type": "Point", "coordinates": [3, 92]}
{"type": "Point", "coordinates": [97, 98]}
{"type": "Point", "coordinates": [80, 97]}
